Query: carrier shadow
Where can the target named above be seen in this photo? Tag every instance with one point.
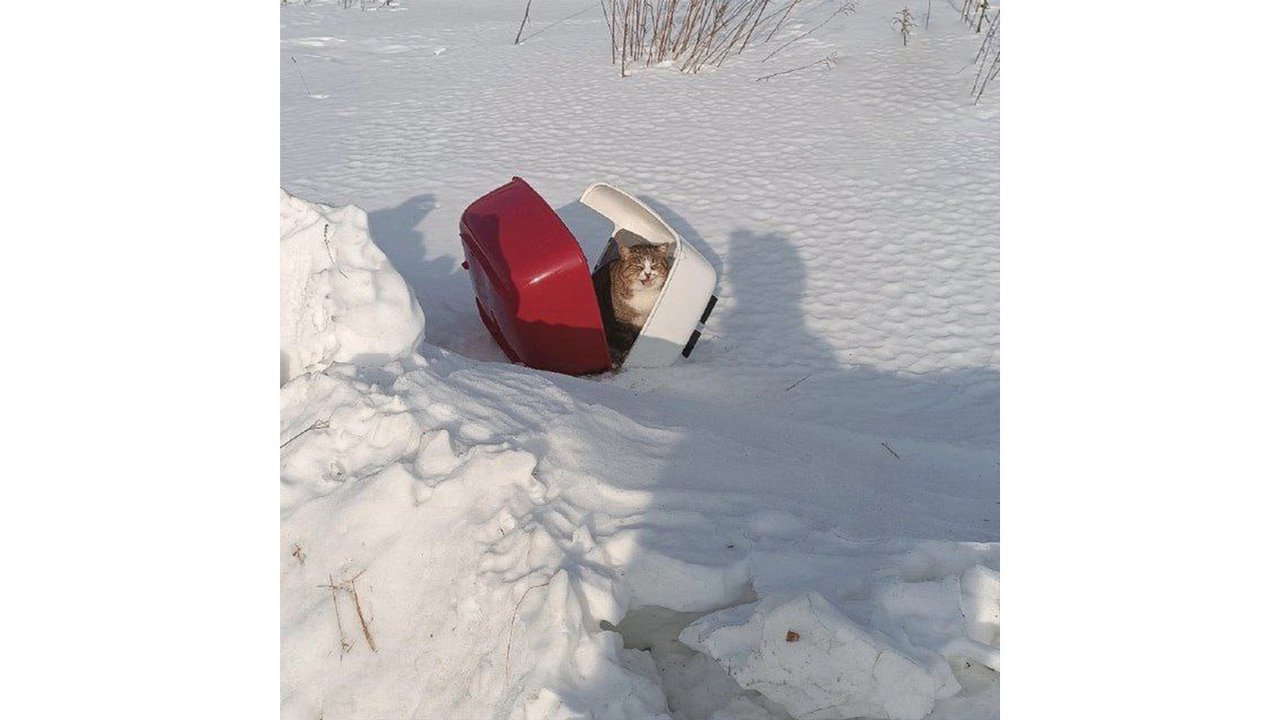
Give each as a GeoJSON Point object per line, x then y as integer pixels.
{"type": "Point", "coordinates": [440, 284]}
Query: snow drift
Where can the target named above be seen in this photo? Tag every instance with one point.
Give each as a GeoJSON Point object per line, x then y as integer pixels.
{"type": "Point", "coordinates": [340, 298]}
{"type": "Point", "coordinates": [471, 539]}
{"type": "Point", "coordinates": [460, 539]}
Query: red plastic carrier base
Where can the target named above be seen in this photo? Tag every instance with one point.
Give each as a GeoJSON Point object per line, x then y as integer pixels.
{"type": "Point", "coordinates": [533, 285]}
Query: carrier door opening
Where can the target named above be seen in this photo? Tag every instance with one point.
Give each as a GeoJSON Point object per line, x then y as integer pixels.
{"type": "Point", "coordinates": [629, 279]}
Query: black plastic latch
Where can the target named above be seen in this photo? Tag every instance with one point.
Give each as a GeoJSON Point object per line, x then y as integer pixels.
{"type": "Point", "coordinates": [707, 313]}
{"type": "Point", "coordinates": [693, 340]}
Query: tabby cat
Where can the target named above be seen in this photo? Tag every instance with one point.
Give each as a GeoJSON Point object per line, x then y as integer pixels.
{"type": "Point", "coordinates": [636, 279]}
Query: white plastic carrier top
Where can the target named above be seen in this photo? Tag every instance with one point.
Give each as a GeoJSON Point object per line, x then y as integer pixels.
{"type": "Point", "coordinates": [691, 280]}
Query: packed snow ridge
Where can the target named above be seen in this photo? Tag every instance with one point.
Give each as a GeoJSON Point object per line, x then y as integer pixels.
{"type": "Point", "coordinates": [340, 299]}
{"type": "Point", "coordinates": [476, 540]}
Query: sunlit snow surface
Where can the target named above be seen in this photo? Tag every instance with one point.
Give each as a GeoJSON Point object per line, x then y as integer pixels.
{"type": "Point", "coordinates": [835, 432]}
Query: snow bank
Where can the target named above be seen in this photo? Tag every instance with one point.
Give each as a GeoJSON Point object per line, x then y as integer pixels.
{"type": "Point", "coordinates": [408, 513]}
{"type": "Point", "coordinates": [340, 298]}
{"type": "Point", "coordinates": [482, 516]}
{"type": "Point", "coordinates": [842, 403]}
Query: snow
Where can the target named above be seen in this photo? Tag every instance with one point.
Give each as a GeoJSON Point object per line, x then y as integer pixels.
{"type": "Point", "coordinates": [530, 545]}
{"type": "Point", "coordinates": [892, 661]}
{"type": "Point", "coordinates": [808, 657]}
{"type": "Point", "coordinates": [340, 299]}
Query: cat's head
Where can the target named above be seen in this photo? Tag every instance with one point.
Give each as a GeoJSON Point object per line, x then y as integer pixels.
{"type": "Point", "coordinates": [645, 267]}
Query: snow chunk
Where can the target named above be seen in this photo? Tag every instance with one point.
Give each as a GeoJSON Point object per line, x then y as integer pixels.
{"type": "Point", "coordinates": [340, 298]}
{"type": "Point", "coordinates": [981, 608]}
{"type": "Point", "coordinates": [807, 656]}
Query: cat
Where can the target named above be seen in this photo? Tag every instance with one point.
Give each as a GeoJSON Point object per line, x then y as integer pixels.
{"type": "Point", "coordinates": [635, 280]}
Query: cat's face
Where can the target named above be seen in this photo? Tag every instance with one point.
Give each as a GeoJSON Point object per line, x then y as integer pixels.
{"type": "Point", "coordinates": [644, 267]}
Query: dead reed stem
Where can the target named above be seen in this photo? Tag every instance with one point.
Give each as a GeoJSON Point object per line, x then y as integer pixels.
{"type": "Point", "coordinates": [906, 21]}
{"type": "Point", "coordinates": [790, 6]}
{"type": "Point", "coordinates": [317, 425]}
{"type": "Point", "coordinates": [525, 20]}
{"type": "Point", "coordinates": [828, 61]}
{"type": "Point", "coordinates": [845, 8]}
{"type": "Point", "coordinates": [613, 43]}
{"type": "Point", "coordinates": [345, 644]}
{"type": "Point", "coordinates": [349, 586]}
{"type": "Point", "coordinates": [364, 625]}
{"type": "Point", "coordinates": [514, 617]}
{"type": "Point", "coordinates": [987, 59]}
{"type": "Point", "coordinates": [689, 33]}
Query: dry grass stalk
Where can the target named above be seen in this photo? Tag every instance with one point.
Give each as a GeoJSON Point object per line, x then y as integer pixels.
{"type": "Point", "coordinates": [349, 586]}
{"type": "Point", "coordinates": [974, 13]}
{"type": "Point", "coordinates": [982, 14]}
{"type": "Point", "coordinates": [789, 7]}
{"type": "Point", "coordinates": [692, 34]}
{"type": "Point", "coordinates": [525, 20]}
{"type": "Point", "coordinates": [613, 40]}
{"type": "Point", "coordinates": [343, 642]}
{"type": "Point", "coordinates": [806, 377]}
{"type": "Point", "coordinates": [828, 61]}
{"type": "Point", "coordinates": [364, 625]}
{"type": "Point", "coordinates": [317, 425]}
{"type": "Point", "coordinates": [300, 76]}
{"type": "Point", "coordinates": [987, 59]}
{"type": "Point", "coordinates": [511, 631]}
{"type": "Point", "coordinates": [846, 8]}
{"type": "Point", "coordinates": [905, 22]}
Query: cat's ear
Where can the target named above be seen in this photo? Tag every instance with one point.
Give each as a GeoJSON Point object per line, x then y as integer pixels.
{"type": "Point", "coordinates": [624, 251]}
{"type": "Point", "coordinates": [664, 247]}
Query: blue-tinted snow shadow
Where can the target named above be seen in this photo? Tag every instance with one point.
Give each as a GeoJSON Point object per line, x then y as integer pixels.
{"type": "Point", "coordinates": [742, 493]}
{"type": "Point", "coordinates": [440, 284]}
{"type": "Point", "coordinates": [883, 454]}
{"type": "Point", "coordinates": [740, 483]}
{"type": "Point", "coordinates": [395, 232]}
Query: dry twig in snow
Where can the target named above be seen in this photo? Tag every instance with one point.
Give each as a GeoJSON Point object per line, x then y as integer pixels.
{"type": "Point", "coordinates": [317, 425]}
{"type": "Point", "coordinates": [828, 61]}
{"type": "Point", "coordinates": [345, 644]}
{"type": "Point", "coordinates": [512, 630]}
{"type": "Point", "coordinates": [525, 20]}
{"type": "Point", "coordinates": [843, 9]}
